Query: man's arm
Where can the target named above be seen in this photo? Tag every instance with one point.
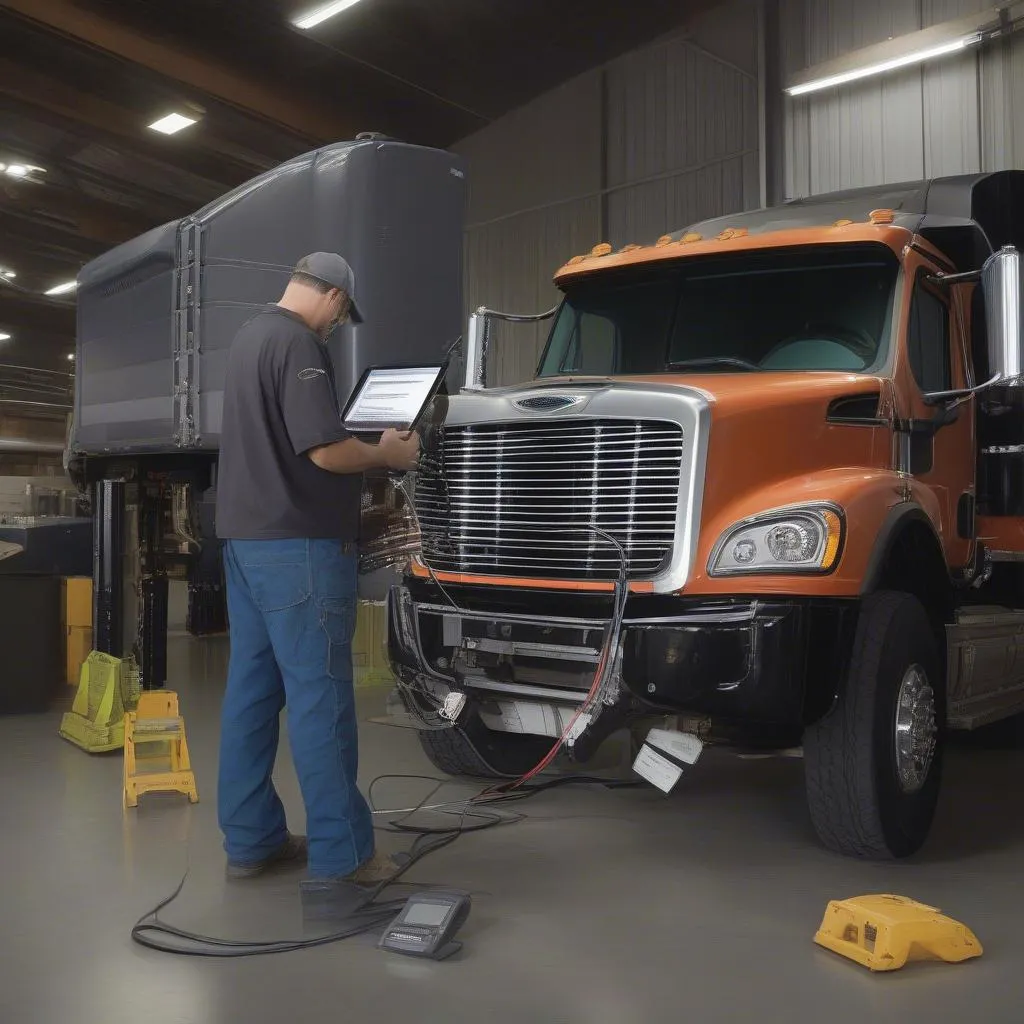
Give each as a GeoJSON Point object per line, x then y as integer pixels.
{"type": "Point", "coordinates": [395, 451]}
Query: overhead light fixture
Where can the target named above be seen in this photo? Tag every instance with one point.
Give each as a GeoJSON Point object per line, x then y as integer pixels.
{"type": "Point", "coordinates": [21, 170]}
{"type": "Point", "coordinates": [63, 289]}
{"type": "Point", "coordinates": [321, 14]}
{"type": "Point", "coordinates": [951, 37]}
{"type": "Point", "coordinates": [71, 357]}
{"type": "Point", "coordinates": [4, 337]}
{"type": "Point", "coordinates": [8, 275]}
{"type": "Point", "coordinates": [173, 123]}
{"type": "Point", "coordinates": [918, 57]}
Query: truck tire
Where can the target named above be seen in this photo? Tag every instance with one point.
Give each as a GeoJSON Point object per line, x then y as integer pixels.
{"type": "Point", "coordinates": [873, 764]}
{"type": "Point", "coordinates": [489, 755]}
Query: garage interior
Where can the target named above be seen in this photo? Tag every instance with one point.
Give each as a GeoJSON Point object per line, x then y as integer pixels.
{"type": "Point", "coordinates": [576, 125]}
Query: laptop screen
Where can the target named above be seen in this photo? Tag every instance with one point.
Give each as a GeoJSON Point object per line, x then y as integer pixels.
{"type": "Point", "coordinates": [391, 397]}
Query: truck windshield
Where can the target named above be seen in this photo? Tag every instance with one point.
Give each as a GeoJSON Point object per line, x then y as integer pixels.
{"type": "Point", "coordinates": [826, 308]}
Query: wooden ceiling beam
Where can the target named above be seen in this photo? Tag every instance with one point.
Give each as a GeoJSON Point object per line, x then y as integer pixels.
{"type": "Point", "coordinates": [68, 108]}
{"type": "Point", "coordinates": [295, 113]}
{"type": "Point", "coordinates": [79, 215]}
{"type": "Point", "coordinates": [20, 241]}
{"type": "Point", "coordinates": [36, 312]}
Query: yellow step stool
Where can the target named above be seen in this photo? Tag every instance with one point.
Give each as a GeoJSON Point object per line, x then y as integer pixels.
{"type": "Point", "coordinates": [885, 932]}
{"type": "Point", "coordinates": [163, 764]}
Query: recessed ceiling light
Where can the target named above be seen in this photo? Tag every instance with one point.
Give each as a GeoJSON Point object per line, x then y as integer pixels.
{"type": "Point", "coordinates": [173, 123]}
{"type": "Point", "coordinates": [71, 357]}
{"type": "Point", "coordinates": [320, 14]}
{"type": "Point", "coordinates": [63, 289]}
{"type": "Point", "coordinates": [4, 337]}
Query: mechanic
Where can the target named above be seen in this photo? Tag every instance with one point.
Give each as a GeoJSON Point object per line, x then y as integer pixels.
{"type": "Point", "coordinates": [288, 510]}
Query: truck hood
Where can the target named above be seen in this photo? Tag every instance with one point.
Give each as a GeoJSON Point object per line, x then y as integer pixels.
{"type": "Point", "coordinates": [751, 443]}
{"type": "Point", "coordinates": [775, 438]}
{"type": "Point", "coordinates": [784, 407]}
{"type": "Point", "coordinates": [734, 391]}
{"type": "Point", "coordinates": [760, 396]}
{"type": "Point", "coordinates": [783, 427]}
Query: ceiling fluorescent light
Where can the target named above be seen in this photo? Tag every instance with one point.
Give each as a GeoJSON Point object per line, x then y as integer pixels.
{"type": "Point", "coordinates": [172, 124]}
{"type": "Point", "coordinates": [63, 289]}
{"type": "Point", "coordinates": [321, 14]}
{"type": "Point", "coordinates": [916, 48]}
{"type": "Point", "coordinates": [919, 57]}
{"type": "Point", "coordinates": [8, 275]}
{"type": "Point", "coordinates": [17, 171]}
{"type": "Point", "coordinates": [4, 337]}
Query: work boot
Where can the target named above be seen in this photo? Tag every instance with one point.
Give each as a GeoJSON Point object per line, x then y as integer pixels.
{"type": "Point", "coordinates": [381, 867]}
{"type": "Point", "coordinates": [338, 897]}
{"type": "Point", "coordinates": [291, 853]}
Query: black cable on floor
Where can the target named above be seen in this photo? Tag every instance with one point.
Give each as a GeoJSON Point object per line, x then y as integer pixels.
{"type": "Point", "coordinates": [368, 914]}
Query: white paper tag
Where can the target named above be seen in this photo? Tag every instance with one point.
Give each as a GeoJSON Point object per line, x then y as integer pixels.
{"type": "Point", "coordinates": [680, 746]}
{"type": "Point", "coordinates": [657, 770]}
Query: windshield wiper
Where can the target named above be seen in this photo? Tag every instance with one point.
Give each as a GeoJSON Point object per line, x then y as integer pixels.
{"type": "Point", "coordinates": [735, 361]}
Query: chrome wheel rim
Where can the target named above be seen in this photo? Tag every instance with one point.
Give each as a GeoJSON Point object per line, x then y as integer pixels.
{"type": "Point", "coordinates": [916, 730]}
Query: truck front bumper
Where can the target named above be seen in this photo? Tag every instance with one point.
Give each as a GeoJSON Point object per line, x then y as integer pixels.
{"type": "Point", "coordinates": [739, 660]}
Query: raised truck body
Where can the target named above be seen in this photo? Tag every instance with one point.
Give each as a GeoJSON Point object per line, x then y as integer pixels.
{"type": "Point", "coordinates": [157, 315]}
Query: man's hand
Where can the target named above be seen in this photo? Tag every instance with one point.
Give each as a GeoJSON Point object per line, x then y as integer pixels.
{"type": "Point", "coordinates": [397, 450]}
{"type": "Point", "coordinates": [400, 451]}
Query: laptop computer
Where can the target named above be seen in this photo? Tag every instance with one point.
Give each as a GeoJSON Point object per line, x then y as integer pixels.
{"type": "Point", "coordinates": [392, 397]}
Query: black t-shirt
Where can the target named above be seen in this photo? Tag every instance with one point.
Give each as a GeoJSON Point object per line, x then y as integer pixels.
{"type": "Point", "coordinates": [279, 403]}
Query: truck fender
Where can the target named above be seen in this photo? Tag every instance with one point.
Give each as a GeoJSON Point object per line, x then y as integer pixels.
{"type": "Point", "coordinates": [934, 592]}
{"type": "Point", "coordinates": [898, 519]}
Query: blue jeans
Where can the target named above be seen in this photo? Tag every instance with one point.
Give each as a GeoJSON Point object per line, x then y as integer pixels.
{"type": "Point", "coordinates": [292, 608]}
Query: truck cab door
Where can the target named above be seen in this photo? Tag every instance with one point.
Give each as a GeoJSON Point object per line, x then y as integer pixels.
{"type": "Point", "coordinates": [935, 441]}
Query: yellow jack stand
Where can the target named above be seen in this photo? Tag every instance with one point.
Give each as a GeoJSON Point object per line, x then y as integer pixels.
{"type": "Point", "coordinates": [107, 687]}
{"type": "Point", "coordinates": [885, 932]}
{"type": "Point", "coordinates": [164, 765]}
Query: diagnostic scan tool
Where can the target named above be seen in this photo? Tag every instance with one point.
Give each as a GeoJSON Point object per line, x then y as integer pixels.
{"type": "Point", "coordinates": [427, 924]}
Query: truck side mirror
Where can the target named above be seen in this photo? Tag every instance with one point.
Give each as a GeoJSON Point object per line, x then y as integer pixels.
{"type": "Point", "coordinates": [1002, 281]}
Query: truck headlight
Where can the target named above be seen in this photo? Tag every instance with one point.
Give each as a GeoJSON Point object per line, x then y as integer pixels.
{"type": "Point", "coordinates": [803, 539]}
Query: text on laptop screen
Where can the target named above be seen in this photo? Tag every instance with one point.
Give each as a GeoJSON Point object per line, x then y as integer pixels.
{"type": "Point", "coordinates": [391, 397]}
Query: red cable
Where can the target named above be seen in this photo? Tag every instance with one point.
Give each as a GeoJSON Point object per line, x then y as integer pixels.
{"type": "Point", "coordinates": [545, 762]}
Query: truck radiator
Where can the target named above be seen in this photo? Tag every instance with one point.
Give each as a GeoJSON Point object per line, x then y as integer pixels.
{"type": "Point", "coordinates": [496, 499]}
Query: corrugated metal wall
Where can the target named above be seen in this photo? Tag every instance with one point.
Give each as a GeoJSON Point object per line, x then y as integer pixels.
{"type": "Point", "coordinates": [953, 116]}
{"type": "Point", "coordinates": [662, 137]}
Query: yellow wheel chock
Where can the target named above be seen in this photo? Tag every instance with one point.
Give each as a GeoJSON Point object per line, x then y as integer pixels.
{"type": "Point", "coordinates": [886, 932]}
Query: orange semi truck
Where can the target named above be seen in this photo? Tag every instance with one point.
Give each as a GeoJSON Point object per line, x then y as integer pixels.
{"type": "Point", "coordinates": [767, 488]}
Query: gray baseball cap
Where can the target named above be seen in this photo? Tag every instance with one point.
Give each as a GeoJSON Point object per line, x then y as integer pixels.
{"type": "Point", "coordinates": [334, 270]}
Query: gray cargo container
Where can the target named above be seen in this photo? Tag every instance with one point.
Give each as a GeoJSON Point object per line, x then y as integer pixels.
{"type": "Point", "coordinates": [157, 315]}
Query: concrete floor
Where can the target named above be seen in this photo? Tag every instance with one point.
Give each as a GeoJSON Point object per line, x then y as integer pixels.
{"type": "Point", "coordinates": [603, 908]}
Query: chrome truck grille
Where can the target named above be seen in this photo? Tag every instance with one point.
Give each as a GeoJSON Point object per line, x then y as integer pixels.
{"type": "Point", "coordinates": [499, 499]}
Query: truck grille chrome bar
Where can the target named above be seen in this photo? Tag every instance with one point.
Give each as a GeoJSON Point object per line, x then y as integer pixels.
{"type": "Point", "coordinates": [493, 498]}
